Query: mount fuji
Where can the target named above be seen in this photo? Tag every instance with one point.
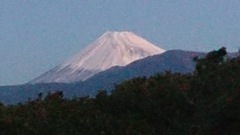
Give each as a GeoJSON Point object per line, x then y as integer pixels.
{"type": "Point", "coordinates": [110, 60]}
{"type": "Point", "coordinates": [109, 50]}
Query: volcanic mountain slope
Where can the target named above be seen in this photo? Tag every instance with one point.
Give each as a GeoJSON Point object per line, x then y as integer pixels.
{"type": "Point", "coordinates": [176, 61]}
{"type": "Point", "coordinates": [173, 60]}
{"type": "Point", "coordinates": [111, 49]}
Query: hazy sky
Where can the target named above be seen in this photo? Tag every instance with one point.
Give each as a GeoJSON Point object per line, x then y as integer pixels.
{"type": "Point", "coordinates": [36, 35]}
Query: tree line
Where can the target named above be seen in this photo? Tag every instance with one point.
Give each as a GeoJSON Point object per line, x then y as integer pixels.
{"type": "Point", "coordinates": [206, 102]}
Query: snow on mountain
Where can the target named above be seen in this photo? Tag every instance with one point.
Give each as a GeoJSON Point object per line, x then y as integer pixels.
{"type": "Point", "coordinates": [111, 49]}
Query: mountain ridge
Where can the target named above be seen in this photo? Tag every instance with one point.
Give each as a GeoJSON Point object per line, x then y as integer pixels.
{"type": "Point", "coordinates": [174, 60]}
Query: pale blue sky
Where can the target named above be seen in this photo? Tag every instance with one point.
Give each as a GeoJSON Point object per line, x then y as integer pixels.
{"type": "Point", "coordinates": [36, 35]}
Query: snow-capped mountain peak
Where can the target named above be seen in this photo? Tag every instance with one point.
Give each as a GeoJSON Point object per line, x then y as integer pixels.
{"type": "Point", "coordinates": [110, 49]}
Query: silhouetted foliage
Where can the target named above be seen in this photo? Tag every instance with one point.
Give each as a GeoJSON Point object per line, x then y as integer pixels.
{"type": "Point", "coordinates": [204, 103]}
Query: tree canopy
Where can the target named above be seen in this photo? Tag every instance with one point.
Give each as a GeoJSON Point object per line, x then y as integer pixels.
{"type": "Point", "coordinates": [206, 102]}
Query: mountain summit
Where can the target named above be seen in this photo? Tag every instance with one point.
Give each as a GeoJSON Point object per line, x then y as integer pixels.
{"type": "Point", "coordinates": [111, 49]}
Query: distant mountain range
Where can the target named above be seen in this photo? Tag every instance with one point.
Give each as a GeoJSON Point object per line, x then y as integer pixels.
{"type": "Point", "coordinates": [173, 60]}
{"type": "Point", "coordinates": [110, 60]}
